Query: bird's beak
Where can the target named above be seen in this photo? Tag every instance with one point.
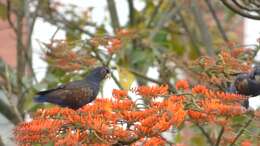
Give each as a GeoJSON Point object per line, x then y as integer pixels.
{"type": "Point", "coordinates": [108, 76]}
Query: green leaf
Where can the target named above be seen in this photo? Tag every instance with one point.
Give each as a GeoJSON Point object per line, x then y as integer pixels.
{"type": "Point", "coordinates": [198, 141]}
{"type": "Point", "coordinates": [161, 37]}
{"type": "Point", "coordinates": [126, 78]}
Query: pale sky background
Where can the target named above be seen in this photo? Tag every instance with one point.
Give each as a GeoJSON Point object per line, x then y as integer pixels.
{"type": "Point", "coordinates": [44, 31]}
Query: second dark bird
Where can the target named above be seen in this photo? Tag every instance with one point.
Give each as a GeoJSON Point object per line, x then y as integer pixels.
{"type": "Point", "coordinates": [77, 93]}
{"type": "Point", "coordinates": [248, 83]}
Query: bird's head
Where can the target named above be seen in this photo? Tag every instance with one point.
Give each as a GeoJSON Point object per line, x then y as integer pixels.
{"type": "Point", "coordinates": [255, 74]}
{"type": "Point", "coordinates": [241, 82]}
{"type": "Point", "coordinates": [98, 73]}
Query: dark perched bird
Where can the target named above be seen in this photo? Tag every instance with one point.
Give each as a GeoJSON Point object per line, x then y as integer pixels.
{"type": "Point", "coordinates": [255, 74]}
{"type": "Point", "coordinates": [75, 94]}
{"type": "Point", "coordinates": [248, 83]}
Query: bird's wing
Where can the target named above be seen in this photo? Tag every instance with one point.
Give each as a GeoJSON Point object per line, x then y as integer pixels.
{"type": "Point", "coordinates": [73, 94]}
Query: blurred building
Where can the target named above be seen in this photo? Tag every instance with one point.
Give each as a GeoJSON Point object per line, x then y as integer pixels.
{"type": "Point", "coordinates": [7, 43]}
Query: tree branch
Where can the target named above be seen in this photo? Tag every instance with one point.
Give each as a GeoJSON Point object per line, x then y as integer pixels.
{"type": "Point", "coordinates": [105, 64]}
{"type": "Point", "coordinates": [215, 17]}
{"type": "Point", "coordinates": [167, 17]}
{"type": "Point", "coordinates": [171, 88]}
{"type": "Point", "coordinates": [191, 38]}
{"type": "Point", "coordinates": [154, 13]}
{"type": "Point", "coordinates": [205, 134]}
{"type": "Point", "coordinates": [9, 12]}
{"type": "Point", "coordinates": [236, 10]}
{"type": "Point", "coordinates": [113, 14]}
{"type": "Point", "coordinates": [204, 32]}
{"type": "Point", "coordinates": [241, 131]}
{"type": "Point", "coordinates": [219, 136]}
{"type": "Point", "coordinates": [131, 12]}
{"type": "Point", "coordinates": [1, 141]}
{"type": "Point", "coordinates": [9, 113]}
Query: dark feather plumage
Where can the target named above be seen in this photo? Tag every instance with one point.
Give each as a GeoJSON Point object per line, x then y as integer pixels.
{"type": "Point", "coordinates": [75, 94]}
{"type": "Point", "coordinates": [248, 83]}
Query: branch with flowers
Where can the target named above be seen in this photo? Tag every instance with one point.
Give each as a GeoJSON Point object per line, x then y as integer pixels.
{"type": "Point", "coordinates": [141, 117]}
{"type": "Point", "coordinates": [118, 119]}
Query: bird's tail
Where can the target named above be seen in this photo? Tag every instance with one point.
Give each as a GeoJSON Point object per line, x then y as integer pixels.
{"type": "Point", "coordinates": [40, 98]}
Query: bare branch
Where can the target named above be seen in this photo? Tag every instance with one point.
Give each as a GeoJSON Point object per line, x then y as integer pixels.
{"type": "Point", "coordinates": [241, 131]}
{"type": "Point", "coordinates": [155, 12]}
{"type": "Point", "coordinates": [239, 11]}
{"type": "Point", "coordinates": [9, 113]}
{"type": "Point", "coordinates": [131, 12]}
{"type": "Point", "coordinates": [9, 13]}
{"type": "Point", "coordinates": [205, 134]}
{"type": "Point", "coordinates": [1, 142]}
{"type": "Point", "coordinates": [220, 135]}
{"type": "Point", "coordinates": [204, 32]}
{"type": "Point", "coordinates": [215, 17]}
{"type": "Point", "coordinates": [113, 14]}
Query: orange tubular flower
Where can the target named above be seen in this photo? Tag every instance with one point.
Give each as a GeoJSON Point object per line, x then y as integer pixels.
{"type": "Point", "coordinates": [153, 91]}
{"type": "Point", "coordinates": [149, 121]}
{"type": "Point", "coordinates": [175, 98]}
{"type": "Point", "coordinates": [108, 121]}
{"type": "Point", "coordinates": [38, 130]}
{"type": "Point", "coordinates": [229, 96]}
{"type": "Point", "coordinates": [214, 106]}
{"type": "Point", "coordinates": [114, 46]}
{"type": "Point", "coordinates": [163, 124]}
{"type": "Point", "coordinates": [178, 114]}
{"type": "Point", "coordinates": [199, 89]}
{"type": "Point", "coordinates": [156, 141]}
{"type": "Point", "coordinates": [126, 104]}
{"type": "Point", "coordinates": [246, 143]}
{"type": "Point", "coordinates": [182, 84]}
{"type": "Point", "coordinates": [119, 94]}
{"type": "Point", "coordinates": [200, 116]}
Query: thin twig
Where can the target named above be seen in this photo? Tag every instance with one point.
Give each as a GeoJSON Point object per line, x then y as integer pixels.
{"type": "Point", "coordinates": [113, 14]}
{"type": "Point", "coordinates": [203, 28]}
{"type": "Point", "coordinates": [215, 17]}
{"type": "Point", "coordinates": [105, 64]}
{"type": "Point", "coordinates": [131, 12]}
{"type": "Point", "coordinates": [241, 131]}
{"type": "Point", "coordinates": [154, 13]}
{"type": "Point", "coordinates": [205, 134]}
{"type": "Point", "coordinates": [172, 89]}
{"type": "Point", "coordinates": [9, 19]}
{"type": "Point", "coordinates": [1, 141]}
{"type": "Point", "coordinates": [220, 135]}
{"type": "Point", "coordinates": [188, 32]}
{"type": "Point", "coordinates": [240, 12]}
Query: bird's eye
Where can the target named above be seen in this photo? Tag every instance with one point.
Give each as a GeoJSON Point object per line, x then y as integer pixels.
{"type": "Point", "coordinates": [105, 71]}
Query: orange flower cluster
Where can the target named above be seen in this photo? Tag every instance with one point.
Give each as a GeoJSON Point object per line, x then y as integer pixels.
{"type": "Point", "coordinates": [231, 62]}
{"type": "Point", "coordinates": [114, 45]}
{"type": "Point", "coordinates": [246, 143]}
{"type": "Point", "coordinates": [220, 70]}
{"type": "Point", "coordinates": [155, 141]}
{"type": "Point", "coordinates": [214, 104]}
{"type": "Point", "coordinates": [109, 121]}
{"type": "Point", "coordinates": [182, 84]}
{"type": "Point", "coordinates": [151, 91]}
{"type": "Point", "coordinates": [63, 55]}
